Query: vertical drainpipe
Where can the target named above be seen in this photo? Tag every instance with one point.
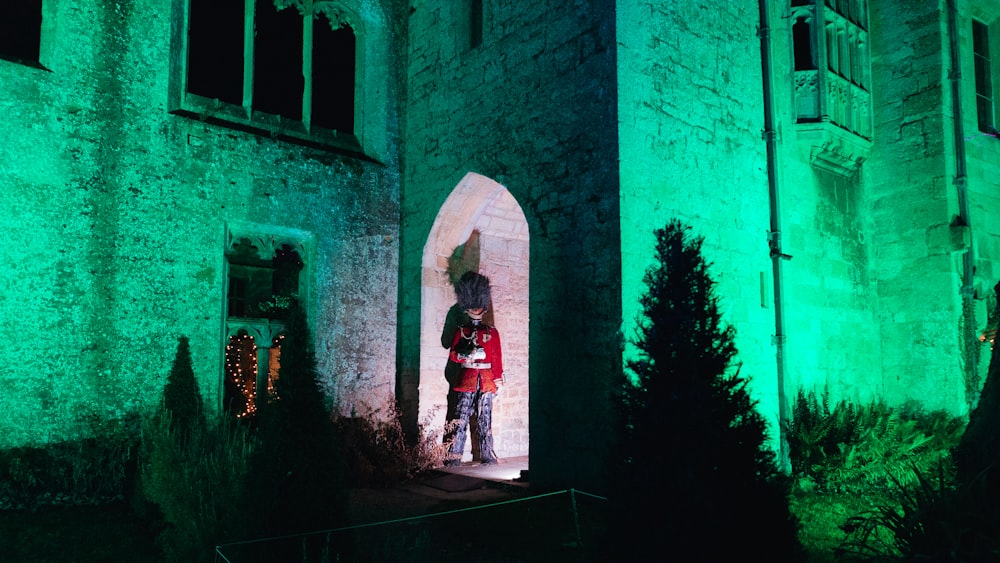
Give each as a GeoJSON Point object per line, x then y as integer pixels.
{"type": "Point", "coordinates": [774, 236]}
{"type": "Point", "coordinates": [961, 185]}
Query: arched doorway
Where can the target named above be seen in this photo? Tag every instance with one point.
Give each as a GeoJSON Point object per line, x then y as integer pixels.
{"type": "Point", "coordinates": [482, 226]}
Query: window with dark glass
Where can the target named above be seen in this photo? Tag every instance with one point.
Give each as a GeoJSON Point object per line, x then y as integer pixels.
{"type": "Point", "coordinates": [21, 30]}
{"type": "Point", "coordinates": [297, 74]}
{"type": "Point", "coordinates": [802, 41]}
{"type": "Point", "coordinates": [985, 108]}
{"type": "Point", "coordinates": [215, 50]}
{"type": "Point", "coordinates": [475, 23]}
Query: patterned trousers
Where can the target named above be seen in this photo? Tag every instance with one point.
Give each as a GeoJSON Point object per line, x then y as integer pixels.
{"type": "Point", "coordinates": [463, 407]}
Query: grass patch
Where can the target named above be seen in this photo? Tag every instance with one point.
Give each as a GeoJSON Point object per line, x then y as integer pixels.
{"type": "Point", "coordinates": [82, 534]}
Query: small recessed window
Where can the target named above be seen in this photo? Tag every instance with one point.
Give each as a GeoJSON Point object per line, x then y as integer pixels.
{"type": "Point", "coordinates": [475, 23]}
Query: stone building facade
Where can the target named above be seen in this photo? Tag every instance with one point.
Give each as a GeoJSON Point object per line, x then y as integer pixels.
{"type": "Point", "coordinates": [840, 158]}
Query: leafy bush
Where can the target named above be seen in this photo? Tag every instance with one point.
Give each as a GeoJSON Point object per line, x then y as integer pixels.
{"type": "Point", "coordinates": [195, 484]}
{"type": "Point", "coordinates": [192, 470]}
{"type": "Point", "coordinates": [181, 397]}
{"type": "Point", "coordinates": [297, 478]}
{"type": "Point", "coordinates": [952, 519]}
{"type": "Point", "coordinates": [930, 520]}
{"type": "Point", "coordinates": [91, 470]}
{"type": "Point", "coordinates": [378, 454]}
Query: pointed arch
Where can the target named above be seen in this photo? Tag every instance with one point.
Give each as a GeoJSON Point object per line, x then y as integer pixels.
{"type": "Point", "coordinates": [480, 226]}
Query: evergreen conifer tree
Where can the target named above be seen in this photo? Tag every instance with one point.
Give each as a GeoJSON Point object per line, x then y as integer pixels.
{"type": "Point", "coordinates": [694, 479]}
{"type": "Point", "coordinates": [297, 481]}
{"type": "Point", "coordinates": [181, 398]}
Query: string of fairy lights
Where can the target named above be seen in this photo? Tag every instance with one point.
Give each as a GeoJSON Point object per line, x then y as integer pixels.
{"type": "Point", "coordinates": [241, 372]}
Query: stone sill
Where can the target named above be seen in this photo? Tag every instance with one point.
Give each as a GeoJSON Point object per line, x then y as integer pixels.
{"type": "Point", "coordinates": [265, 125]}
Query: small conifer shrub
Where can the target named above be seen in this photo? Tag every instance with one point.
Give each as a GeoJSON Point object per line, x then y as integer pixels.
{"type": "Point", "coordinates": [181, 397]}
{"type": "Point", "coordinates": [297, 482]}
{"type": "Point", "coordinates": [694, 478]}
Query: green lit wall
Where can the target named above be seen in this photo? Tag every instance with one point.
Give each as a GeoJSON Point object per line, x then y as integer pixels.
{"type": "Point", "coordinates": [830, 288]}
{"type": "Point", "coordinates": [690, 104]}
{"type": "Point", "coordinates": [872, 298]}
{"type": "Point", "coordinates": [913, 203]}
{"type": "Point", "coordinates": [116, 216]}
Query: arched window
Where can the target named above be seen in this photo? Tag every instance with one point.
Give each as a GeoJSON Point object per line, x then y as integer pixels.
{"type": "Point", "coordinates": [264, 281]}
{"type": "Point", "coordinates": [802, 38]}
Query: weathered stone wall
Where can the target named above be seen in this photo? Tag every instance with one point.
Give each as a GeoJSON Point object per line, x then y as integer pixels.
{"type": "Point", "coordinates": [832, 336]}
{"type": "Point", "coordinates": [691, 115]}
{"type": "Point", "coordinates": [913, 203]}
{"type": "Point", "coordinates": [114, 234]}
{"type": "Point", "coordinates": [532, 108]}
{"type": "Point", "coordinates": [602, 120]}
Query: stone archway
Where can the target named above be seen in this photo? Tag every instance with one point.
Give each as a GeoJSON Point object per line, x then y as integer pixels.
{"type": "Point", "coordinates": [481, 213]}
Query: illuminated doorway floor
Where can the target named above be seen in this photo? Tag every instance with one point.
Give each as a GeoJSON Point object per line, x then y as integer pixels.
{"type": "Point", "coordinates": [512, 470]}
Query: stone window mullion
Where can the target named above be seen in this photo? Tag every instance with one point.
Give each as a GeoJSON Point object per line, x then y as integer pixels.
{"type": "Point", "coordinates": [248, 54]}
{"type": "Point", "coordinates": [307, 62]}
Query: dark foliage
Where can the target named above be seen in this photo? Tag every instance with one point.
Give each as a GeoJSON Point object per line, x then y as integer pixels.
{"type": "Point", "coordinates": [928, 521]}
{"type": "Point", "coordinates": [92, 470]}
{"type": "Point", "coordinates": [854, 448]}
{"type": "Point", "coordinates": [378, 454]}
{"type": "Point", "coordinates": [697, 481]}
{"type": "Point", "coordinates": [297, 475]}
{"type": "Point", "coordinates": [979, 450]}
{"type": "Point", "coordinates": [945, 520]}
{"type": "Point", "coordinates": [181, 397]}
{"type": "Point", "coordinates": [816, 433]}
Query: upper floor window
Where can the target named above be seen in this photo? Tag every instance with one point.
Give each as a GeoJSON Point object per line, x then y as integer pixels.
{"type": "Point", "coordinates": [832, 81]}
{"type": "Point", "coordinates": [985, 100]}
{"type": "Point", "coordinates": [287, 67]}
{"type": "Point", "coordinates": [21, 31]}
{"type": "Point", "coordinates": [474, 20]}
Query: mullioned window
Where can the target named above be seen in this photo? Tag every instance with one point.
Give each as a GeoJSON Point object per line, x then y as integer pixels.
{"type": "Point", "coordinates": [287, 68]}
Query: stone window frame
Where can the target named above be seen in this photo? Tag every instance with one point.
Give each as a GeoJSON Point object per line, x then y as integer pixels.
{"type": "Point", "coordinates": [371, 39]}
{"type": "Point", "coordinates": [831, 82]}
{"type": "Point", "coordinates": [984, 49]}
{"type": "Point", "coordinates": [267, 239]}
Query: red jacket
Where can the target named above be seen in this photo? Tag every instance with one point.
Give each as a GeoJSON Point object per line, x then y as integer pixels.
{"type": "Point", "coordinates": [479, 370]}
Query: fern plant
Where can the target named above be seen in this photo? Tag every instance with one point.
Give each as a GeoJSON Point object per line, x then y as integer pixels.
{"type": "Point", "coordinates": [858, 449]}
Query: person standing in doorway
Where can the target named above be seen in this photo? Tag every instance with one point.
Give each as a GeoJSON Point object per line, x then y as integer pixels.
{"type": "Point", "coordinates": [476, 352]}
